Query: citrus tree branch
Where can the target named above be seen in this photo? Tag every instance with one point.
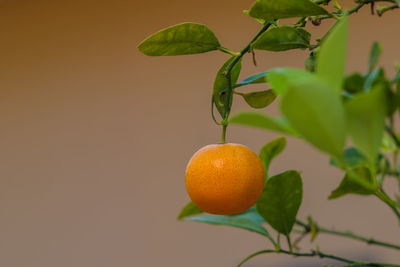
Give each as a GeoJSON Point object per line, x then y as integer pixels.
{"type": "Point", "coordinates": [348, 234]}
{"type": "Point", "coordinates": [382, 195]}
{"type": "Point", "coordinates": [227, 74]}
{"type": "Point", "coordinates": [317, 253]}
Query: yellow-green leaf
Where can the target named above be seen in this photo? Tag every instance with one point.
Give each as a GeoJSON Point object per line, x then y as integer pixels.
{"type": "Point", "coordinates": [278, 9]}
{"type": "Point", "coordinates": [282, 38]}
{"type": "Point", "coordinates": [181, 39]}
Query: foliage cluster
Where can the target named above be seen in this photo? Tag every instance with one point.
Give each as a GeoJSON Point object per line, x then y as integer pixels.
{"type": "Point", "coordinates": [349, 117]}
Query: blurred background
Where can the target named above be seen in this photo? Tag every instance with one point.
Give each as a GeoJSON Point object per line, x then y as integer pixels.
{"type": "Point", "coordinates": [95, 137]}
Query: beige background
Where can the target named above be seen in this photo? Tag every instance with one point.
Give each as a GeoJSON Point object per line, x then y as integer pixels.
{"type": "Point", "coordinates": [95, 137]}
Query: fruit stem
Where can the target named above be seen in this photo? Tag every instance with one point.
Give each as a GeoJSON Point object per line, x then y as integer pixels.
{"type": "Point", "coordinates": [223, 137]}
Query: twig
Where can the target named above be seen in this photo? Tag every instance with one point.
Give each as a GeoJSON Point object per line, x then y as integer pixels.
{"type": "Point", "coordinates": [317, 253]}
{"type": "Point", "coordinates": [349, 234]}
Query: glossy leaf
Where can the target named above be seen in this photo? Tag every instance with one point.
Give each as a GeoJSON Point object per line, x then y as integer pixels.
{"type": "Point", "coordinates": [375, 53]}
{"type": "Point", "coordinates": [366, 120]}
{"type": "Point", "coordinates": [189, 210]}
{"type": "Point", "coordinates": [281, 78]}
{"type": "Point", "coordinates": [331, 58]}
{"type": "Point", "coordinates": [221, 86]}
{"type": "Point", "coordinates": [270, 150]}
{"type": "Point", "coordinates": [255, 78]}
{"type": "Point", "coordinates": [357, 181]}
{"type": "Point", "coordinates": [282, 38]}
{"type": "Point", "coordinates": [315, 111]}
{"type": "Point", "coordinates": [250, 221]}
{"type": "Point", "coordinates": [269, 10]}
{"type": "Point", "coordinates": [181, 39]}
{"type": "Point", "coordinates": [280, 201]}
{"type": "Point", "coordinates": [260, 99]}
{"type": "Point", "coordinates": [259, 120]}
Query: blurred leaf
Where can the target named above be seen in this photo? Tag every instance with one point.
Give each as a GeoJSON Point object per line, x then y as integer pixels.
{"type": "Point", "coordinates": [260, 99]}
{"type": "Point", "coordinates": [259, 120]}
{"type": "Point", "coordinates": [332, 55]}
{"type": "Point", "coordinates": [280, 200]}
{"type": "Point", "coordinates": [181, 39]}
{"type": "Point", "coordinates": [357, 181]}
{"type": "Point", "coordinates": [281, 78]}
{"type": "Point", "coordinates": [310, 63]}
{"type": "Point", "coordinates": [282, 38]}
{"type": "Point", "coordinates": [377, 76]}
{"type": "Point", "coordinates": [270, 150]}
{"type": "Point", "coordinates": [366, 120]}
{"type": "Point", "coordinates": [392, 98]}
{"type": "Point", "coordinates": [354, 83]}
{"type": "Point", "coordinates": [249, 220]}
{"type": "Point", "coordinates": [252, 79]}
{"type": "Point", "coordinates": [374, 55]}
{"type": "Point", "coordinates": [189, 210]}
{"type": "Point", "coordinates": [316, 112]}
{"type": "Point", "coordinates": [221, 87]}
{"type": "Point", "coordinates": [388, 145]}
{"type": "Point", "coordinates": [397, 76]}
{"type": "Point", "coordinates": [352, 158]}
{"type": "Point", "coordinates": [269, 10]}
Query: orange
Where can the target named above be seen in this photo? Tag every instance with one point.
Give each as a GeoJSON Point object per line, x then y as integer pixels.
{"type": "Point", "coordinates": [224, 178]}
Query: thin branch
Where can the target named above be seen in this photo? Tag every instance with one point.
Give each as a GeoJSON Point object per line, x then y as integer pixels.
{"type": "Point", "coordinates": [229, 68]}
{"type": "Point", "coordinates": [349, 234]}
{"type": "Point", "coordinates": [382, 195]}
{"type": "Point", "coordinates": [245, 50]}
{"type": "Point", "coordinates": [317, 253]}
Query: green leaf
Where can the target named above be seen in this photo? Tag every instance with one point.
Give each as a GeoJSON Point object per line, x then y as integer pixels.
{"type": "Point", "coordinates": [281, 78]}
{"type": "Point", "coordinates": [366, 120]}
{"type": "Point", "coordinates": [398, 197]}
{"type": "Point", "coordinates": [259, 120]}
{"type": "Point", "coordinates": [249, 220]}
{"type": "Point", "coordinates": [252, 79]}
{"type": "Point", "coordinates": [397, 76]}
{"type": "Point", "coordinates": [221, 87]}
{"type": "Point", "coordinates": [354, 83]}
{"type": "Point", "coordinates": [332, 55]}
{"type": "Point", "coordinates": [315, 111]}
{"type": "Point", "coordinates": [282, 38]}
{"type": "Point", "coordinates": [310, 63]}
{"type": "Point", "coordinates": [281, 200]}
{"type": "Point", "coordinates": [377, 76]}
{"type": "Point", "coordinates": [181, 39]}
{"type": "Point", "coordinates": [247, 12]}
{"type": "Point", "coordinates": [260, 99]}
{"type": "Point", "coordinates": [388, 145]}
{"type": "Point", "coordinates": [357, 181]}
{"type": "Point", "coordinates": [270, 150]}
{"type": "Point", "coordinates": [269, 10]}
{"type": "Point", "coordinates": [352, 158]}
{"type": "Point", "coordinates": [374, 55]}
{"type": "Point", "coordinates": [189, 210]}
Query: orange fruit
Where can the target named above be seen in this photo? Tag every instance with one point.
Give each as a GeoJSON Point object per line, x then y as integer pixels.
{"type": "Point", "coordinates": [224, 178]}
